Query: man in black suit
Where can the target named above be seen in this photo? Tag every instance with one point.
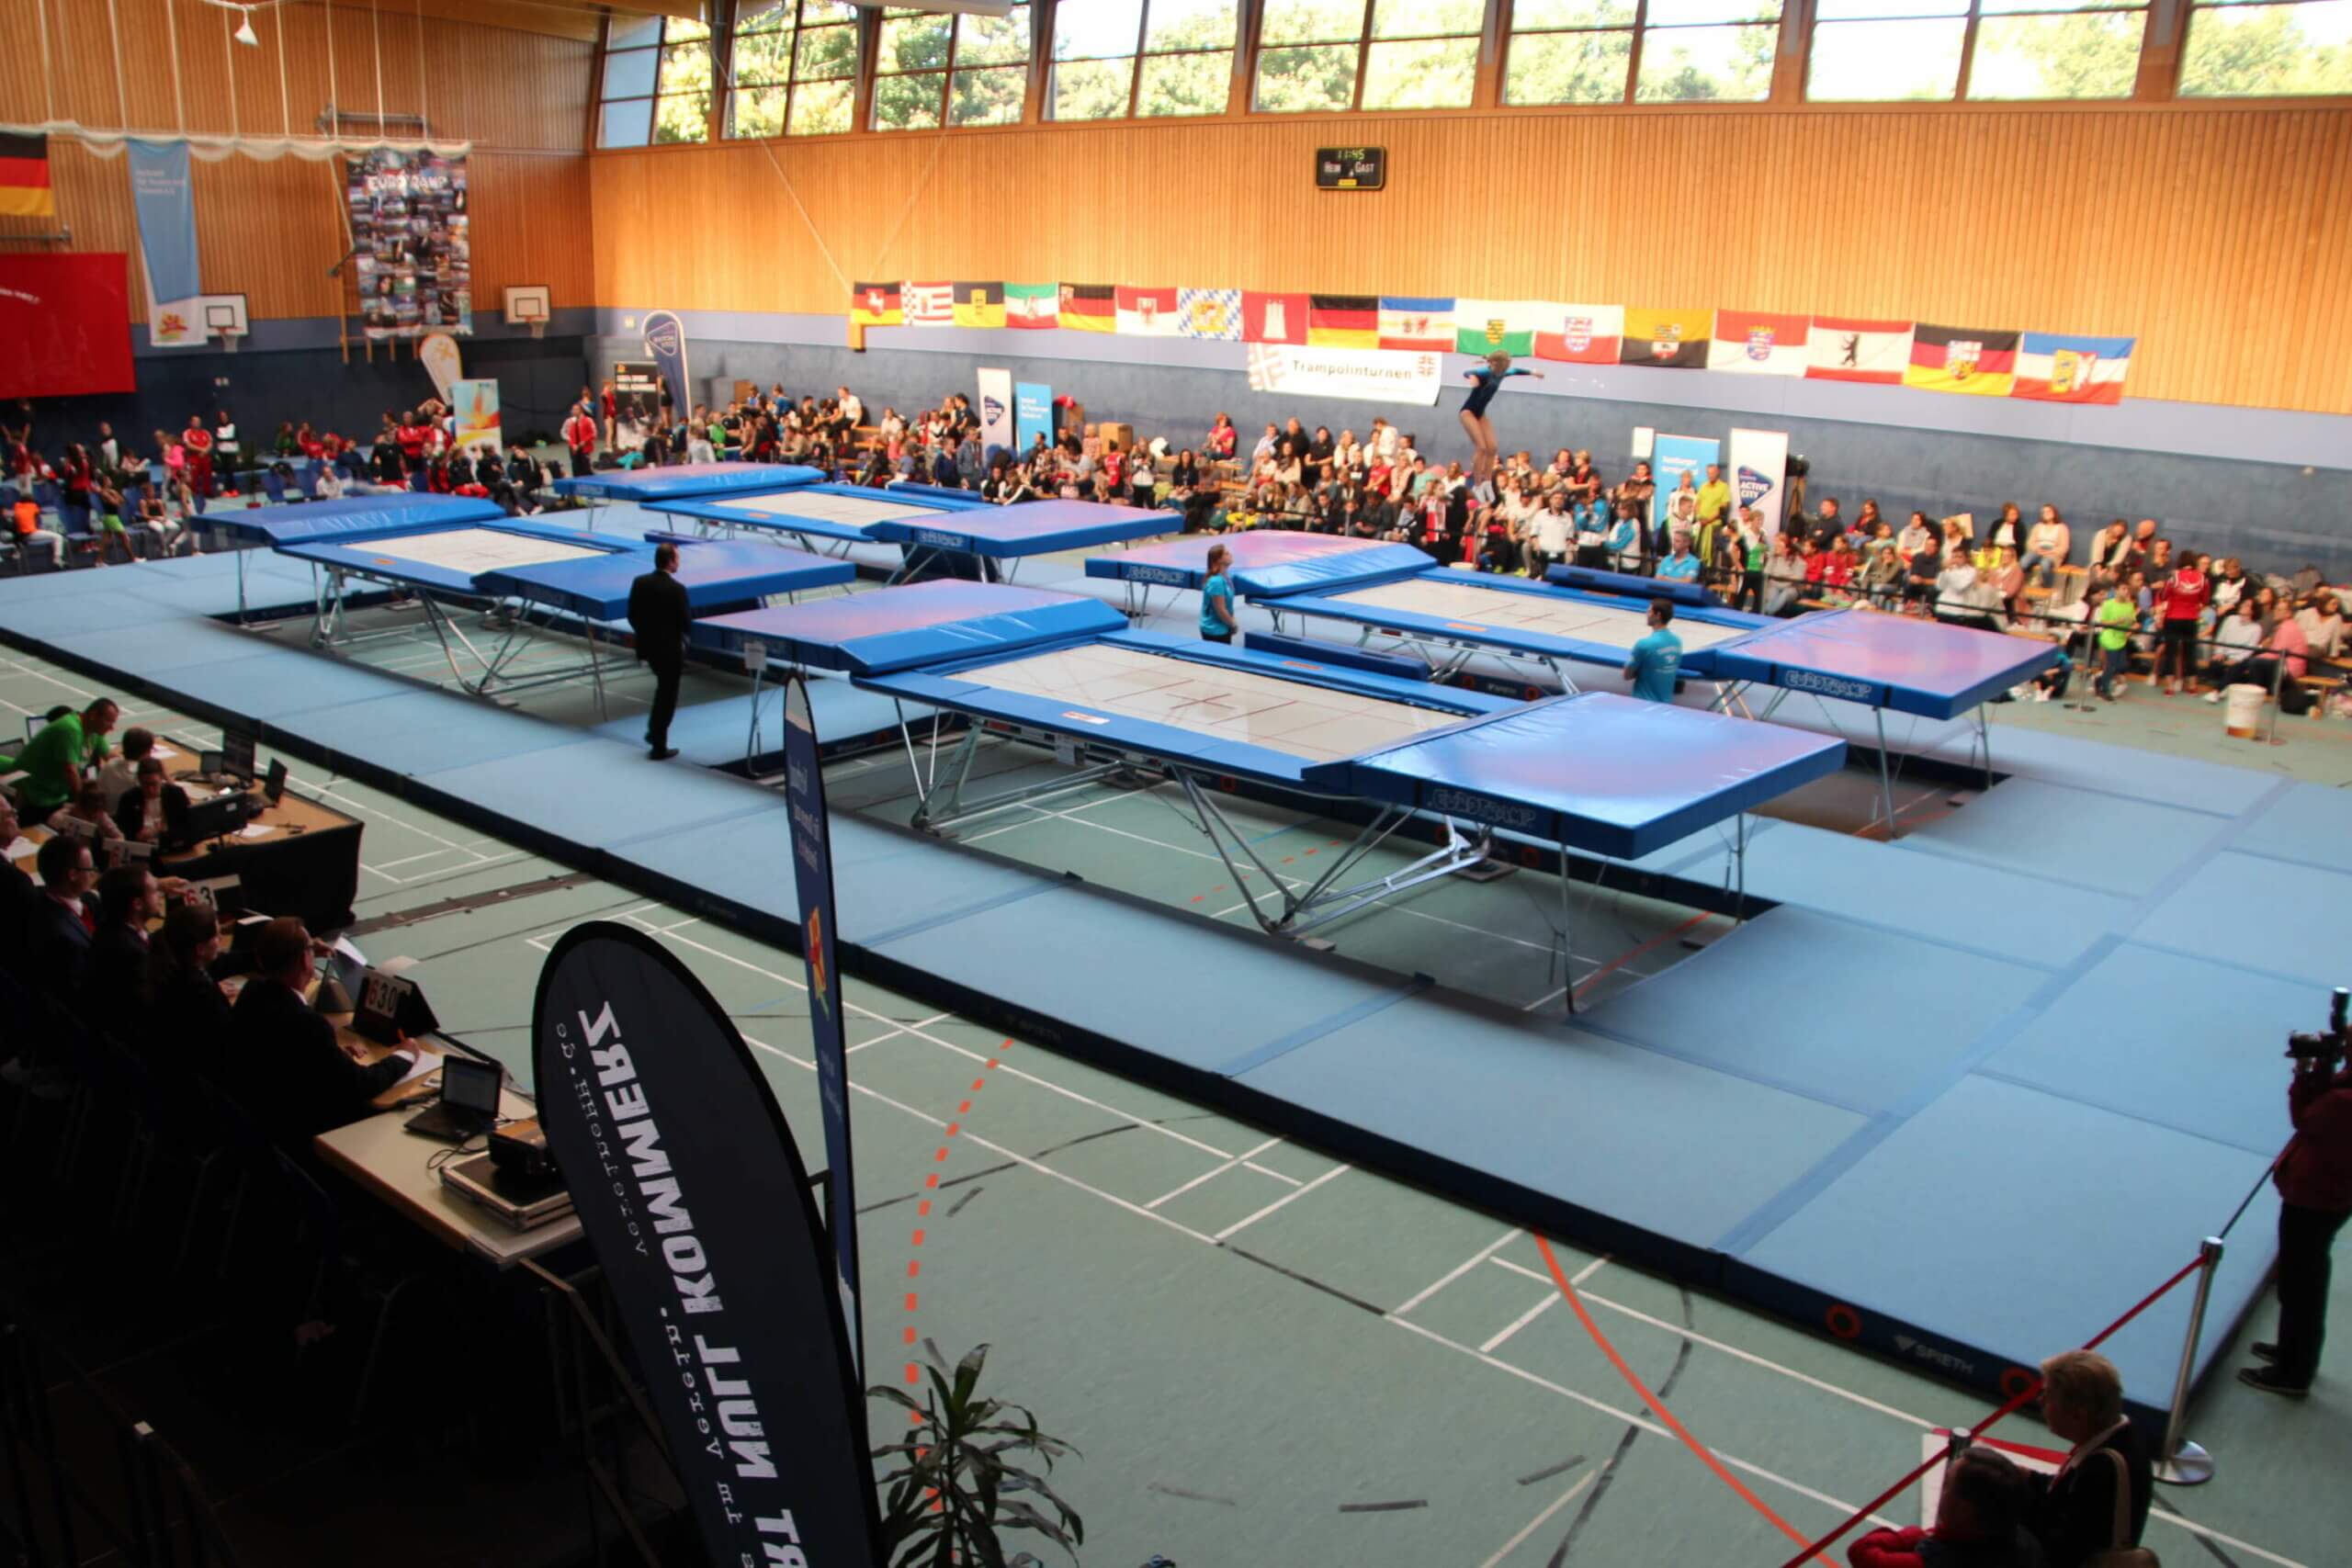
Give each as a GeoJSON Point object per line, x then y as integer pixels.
{"type": "Point", "coordinates": [153, 810]}
{"type": "Point", "coordinates": [18, 892]}
{"type": "Point", "coordinates": [657, 614]}
{"type": "Point", "coordinates": [292, 1073]}
{"type": "Point", "coordinates": [61, 923]}
{"type": "Point", "coordinates": [128, 899]}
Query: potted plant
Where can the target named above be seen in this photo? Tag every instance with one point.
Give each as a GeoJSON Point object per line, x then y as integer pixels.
{"type": "Point", "coordinates": [960, 1476]}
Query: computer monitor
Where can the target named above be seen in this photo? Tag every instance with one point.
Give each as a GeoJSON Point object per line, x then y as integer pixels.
{"type": "Point", "coordinates": [211, 764]}
{"type": "Point", "coordinates": [274, 788]}
{"type": "Point", "coordinates": [212, 818]}
{"type": "Point", "coordinates": [237, 753]}
{"type": "Point", "coordinates": [471, 1084]}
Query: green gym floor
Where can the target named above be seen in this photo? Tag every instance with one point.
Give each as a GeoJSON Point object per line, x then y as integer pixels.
{"type": "Point", "coordinates": [1267, 1356]}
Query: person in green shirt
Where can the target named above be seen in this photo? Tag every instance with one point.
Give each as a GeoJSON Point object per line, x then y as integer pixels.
{"type": "Point", "coordinates": [2117, 616]}
{"type": "Point", "coordinates": [53, 759]}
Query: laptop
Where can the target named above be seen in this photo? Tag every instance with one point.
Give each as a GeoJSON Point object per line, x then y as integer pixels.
{"type": "Point", "coordinates": [468, 1103]}
{"type": "Point", "coordinates": [273, 787]}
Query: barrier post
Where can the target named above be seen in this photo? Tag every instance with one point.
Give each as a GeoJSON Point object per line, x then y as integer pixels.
{"type": "Point", "coordinates": [2182, 1463]}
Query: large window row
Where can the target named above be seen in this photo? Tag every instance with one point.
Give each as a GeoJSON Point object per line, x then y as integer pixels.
{"type": "Point", "coordinates": [804, 67]}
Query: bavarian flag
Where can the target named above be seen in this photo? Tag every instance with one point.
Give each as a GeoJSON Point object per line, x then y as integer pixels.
{"type": "Point", "coordinates": [979, 304]}
{"type": "Point", "coordinates": [24, 177]}
{"type": "Point", "coordinates": [2067, 367]}
{"type": "Point", "coordinates": [1089, 307]}
{"type": "Point", "coordinates": [1033, 305]}
{"type": "Point", "coordinates": [1482, 326]}
{"type": "Point", "coordinates": [1343, 320]}
{"type": "Point", "coordinates": [874, 305]}
{"type": "Point", "coordinates": [1980, 361]}
{"type": "Point", "coordinates": [1421, 326]}
{"type": "Point", "coordinates": [1676, 340]}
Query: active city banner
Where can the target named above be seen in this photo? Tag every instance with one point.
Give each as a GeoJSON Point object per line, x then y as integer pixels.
{"type": "Point", "coordinates": [813, 871]}
{"type": "Point", "coordinates": [1759, 474]}
{"type": "Point", "coordinates": [665, 344]}
{"type": "Point", "coordinates": [1369, 373]}
{"type": "Point", "coordinates": [996, 407]}
{"type": "Point", "coordinates": [691, 1191]}
{"type": "Point", "coordinates": [1672, 458]}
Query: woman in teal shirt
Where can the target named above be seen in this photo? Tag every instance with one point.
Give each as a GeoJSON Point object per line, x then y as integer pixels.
{"type": "Point", "coordinates": [1217, 624]}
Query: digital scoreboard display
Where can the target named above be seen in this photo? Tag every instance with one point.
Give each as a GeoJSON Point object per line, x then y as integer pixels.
{"type": "Point", "coordinates": [1350, 168]}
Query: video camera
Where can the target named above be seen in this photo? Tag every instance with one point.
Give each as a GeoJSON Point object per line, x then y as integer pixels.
{"type": "Point", "coordinates": [2324, 1050]}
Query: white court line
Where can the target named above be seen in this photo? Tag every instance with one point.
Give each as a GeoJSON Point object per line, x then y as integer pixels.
{"type": "Point", "coordinates": [1239, 1225]}
{"type": "Point", "coordinates": [894, 1033]}
{"type": "Point", "coordinates": [1551, 1299]}
{"type": "Point", "coordinates": [1451, 1275]}
{"type": "Point", "coordinates": [1213, 1172]}
{"type": "Point", "coordinates": [1570, 1495]}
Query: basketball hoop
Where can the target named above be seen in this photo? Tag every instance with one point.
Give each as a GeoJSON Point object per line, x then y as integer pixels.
{"type": "Point", "coordinates": [539, 329]}
{"type": "Point", "coordinates": [229, 339]}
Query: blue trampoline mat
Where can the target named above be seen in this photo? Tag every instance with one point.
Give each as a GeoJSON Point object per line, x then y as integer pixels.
{"type": "Point", "coordinates": [2056, 831]}
{"type": "Point", "coordinates": [1673, 1148]}
{"type": "Point", "coordinates": [1944, 899]}
{"type": "Point", "coordinates": [294, 681]}
{"type": "Point", "coordinates": [423, 731]}
{"type": "Point", "coordinates": [2177, 1041]}
{"type": "Point", "coordinates": [2021, 1224]}
{"type": "Point", "coordinates": [1851, 1016]}
{"type": "Point", "coordinates": [2310, 824]}
{"type": "Point", "coordinates": [2260, 914]}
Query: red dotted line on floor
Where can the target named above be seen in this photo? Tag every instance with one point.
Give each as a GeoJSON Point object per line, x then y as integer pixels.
{"type": "Point", "coordinates": [923, 1211]}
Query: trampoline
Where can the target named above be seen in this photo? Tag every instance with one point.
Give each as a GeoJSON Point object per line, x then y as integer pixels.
{"type": "Point", "coordinates": [678, 480]}
{"type": "Point", "coordinates": [1591, 772]}
{"type": "Point", "coordinates": [827, 518]}
{"type": "Point", "coordinates": [351, 516]}
{"type": "Point", "coordinates": [527, 574]}
{"type": "Point", "coordinates": [1267, 561]}
{"type": "Point", "coordinates": [981, 542]}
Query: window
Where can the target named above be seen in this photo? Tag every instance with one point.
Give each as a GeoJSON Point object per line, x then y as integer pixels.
{"type": "Point", "coordinates": [2266, 50]}
{"type": "Point", "coordinates": [1581, 51]}
{"type": "Point", "coordinates": [975, 70]}
{"type": "Point", "coordinates": [1391, 54]}
{"type": "Point", "coordinates": [1115, 58]}
{"type": "Point", "coordinates": [794, 71]}
{"type": "Point", "coordinates": [1876, 51]}
{"type": "Point", "coordinates": [657, 83]}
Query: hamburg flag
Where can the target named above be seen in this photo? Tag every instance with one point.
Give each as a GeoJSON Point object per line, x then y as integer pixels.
{"type": "Point", "coordinates": [930, 304]}
{"type": "Point", "coordinates": [1580, 334]}
{"type": "Point", "coordinates": [1089, 307]}
{"type": "Point", "coordinates": [24, 177]}
{"type": "Point", "coordinates": [2067, 367]}
{"type": "Point", "coordinates": [1147, 313]}
{"type": "Point", "coordinates": [1483, 326]}
{"type": "Point", "coordinates": [875, 305]}
{"type": "Point", "coordinates": [1423, 325]}
{"type": "Point", "coordinates": [1033, 305]}
{"type": "Point", "coordinates": [1676, 340]}
{"type": "Point", "coordinates": [979, 304]}
{"type": "Point", "coordinates": [1214, 313]}
{"type": "Point", "coordinates": [1845, 348]}
{"type": "Point", "coordinates": [1343, 320]}
{"type": "Point", "coordinates": [1757, 342]}
{"type": "Point", "coordinates": [1979, 361]}
{"type": "Point", "coordinates": [1273, 317]}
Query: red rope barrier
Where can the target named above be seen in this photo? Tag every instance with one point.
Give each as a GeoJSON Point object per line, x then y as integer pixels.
{"type": "Point", "coordinates": [2023, 1397]}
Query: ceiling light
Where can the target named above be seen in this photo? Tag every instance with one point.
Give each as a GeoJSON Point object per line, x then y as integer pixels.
{"type": "Point", "coordinates": [245, 33]}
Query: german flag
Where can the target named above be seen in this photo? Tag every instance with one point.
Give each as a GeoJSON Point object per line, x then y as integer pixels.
{"type": "Point", "coordinates": [874, 305]}
{"type": "Point", "coordinates": [1089, 308]}
{"type": "Point", "coordinates": [1981, 361]}
{"type": "Point", "coordinates": [1343, 320]}
{"type": "Point", "coordinates": [979, 304]}
{"type": "Point", "coordinates": [24, 177]}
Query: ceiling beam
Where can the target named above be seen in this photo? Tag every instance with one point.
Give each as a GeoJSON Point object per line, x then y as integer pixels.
{"type": "Point", "coordinates": [579, 19]}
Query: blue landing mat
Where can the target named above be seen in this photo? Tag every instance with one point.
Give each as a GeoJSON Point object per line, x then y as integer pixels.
{"type": "Point", "coordinates": [1988, 1223]}
{"type": "Point", "coordinates": [712, 734]}
{"type": "Point", "coordinates": [610, 794]}
{"type": "Point", "coordinates": [425, 730]}
{"type": "Point", "coordinates": [2138, 775]}
{"type": "Point", "coordinates": [2169, 1040]}
{"type": "Point", "coordinates": [2063, 834]}
{"type": "Point", "coordinates": [292, 680]}
{"type": "Point", "coordinates": [1807, 1002]}
{"type": "Point", "coordinates": [2310, 824]}
{"type": "Point", "coordinates": [2260, 914]}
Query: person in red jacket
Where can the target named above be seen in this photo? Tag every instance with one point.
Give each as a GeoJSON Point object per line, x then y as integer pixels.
{"type": "Point", "coordinates": [2184, 595]}
{"type": "Point", "coordinates": [199, 442]}
{"type": "Point", "coordinates": [2314, 1181]}
{"type": "Point", "coordinates": [1979, 1523]}
{"type": "Point", "coordinates": [579, 435]}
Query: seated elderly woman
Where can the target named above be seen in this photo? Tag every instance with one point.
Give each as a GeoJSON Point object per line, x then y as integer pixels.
{"type": "Point", "coordinates": [1980, 1522]}
{"type": "Point", "coordinates": [2106, 1477]}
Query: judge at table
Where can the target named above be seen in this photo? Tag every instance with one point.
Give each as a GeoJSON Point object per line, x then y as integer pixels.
{"type": "Point", "coordinates": [153, 810]}
{"type": "Point", "coordinates": [657, 614]}
{"type": "Point", "coordinates": [290, 1071]}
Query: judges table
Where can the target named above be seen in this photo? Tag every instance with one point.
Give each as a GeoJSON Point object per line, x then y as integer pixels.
{"type": "Point", "coordinates": [298, 857]}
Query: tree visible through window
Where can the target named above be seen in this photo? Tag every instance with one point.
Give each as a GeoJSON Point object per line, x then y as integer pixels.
{"type": "Point", "coordinates": [1115, 58]}
{"type": "Point", "coordinates": [1881, 50]}
{"type": "Point", "coordinates": [1582, 52]}
{"type": "Point", "coordinates": [795, 68]}
{"type": "Point", "coordinates": [657, 83]}
{"type": "Point", "coordinates": [975, 70]}
{"type": "Point", "coordinates": [2266, 50]}
{"type": "Point", "coordinates": [1390, 55]}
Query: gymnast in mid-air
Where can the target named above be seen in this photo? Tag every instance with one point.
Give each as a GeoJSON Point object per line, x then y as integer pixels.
{"type": "Point", "coordinates": [1485, 383]}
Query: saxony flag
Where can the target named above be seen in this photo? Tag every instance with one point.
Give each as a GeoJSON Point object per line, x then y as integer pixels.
{"type": "Point", "coordinates": [1482, 326]}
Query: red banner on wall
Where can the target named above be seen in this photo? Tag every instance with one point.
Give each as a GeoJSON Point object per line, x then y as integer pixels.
{"type": "Point", "coordinates": [66, 319]}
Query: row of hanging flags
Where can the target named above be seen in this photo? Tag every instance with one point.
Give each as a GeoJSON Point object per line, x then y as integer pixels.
{"type": "Point", "coordinates": [1976, 361]}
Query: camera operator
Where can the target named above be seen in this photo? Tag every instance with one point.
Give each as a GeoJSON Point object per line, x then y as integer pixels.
{"type": "Point", "coordinates": [2314, 1180]}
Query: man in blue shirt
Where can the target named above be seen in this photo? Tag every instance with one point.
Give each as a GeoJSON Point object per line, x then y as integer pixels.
{"type": "Point", "coordinates": [1656, 658]}
{"type": "Point", "coordinates": [1217, 624]}
{"type": "Point", "coordinates": [1681, 566]}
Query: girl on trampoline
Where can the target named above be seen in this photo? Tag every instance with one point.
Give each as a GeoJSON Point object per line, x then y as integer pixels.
{"type": "Point", "coordinates": [1483, 384]}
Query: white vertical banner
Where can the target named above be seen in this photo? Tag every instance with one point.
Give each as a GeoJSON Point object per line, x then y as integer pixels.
{"type": "Point", "coordinates": [996, 409]}
{"type": "Point", "coordinates": [1759, 474]}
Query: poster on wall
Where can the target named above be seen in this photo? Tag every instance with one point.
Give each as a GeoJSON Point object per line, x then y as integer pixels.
{"type": "Point", "coordinates": [411, 243]}
{"type": "Point", "coordinates": [1032, 413]}
{"type": "Point", "coordinates": [1672, 458]}
{"type": "Point", "coordinates": [475, 404]}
